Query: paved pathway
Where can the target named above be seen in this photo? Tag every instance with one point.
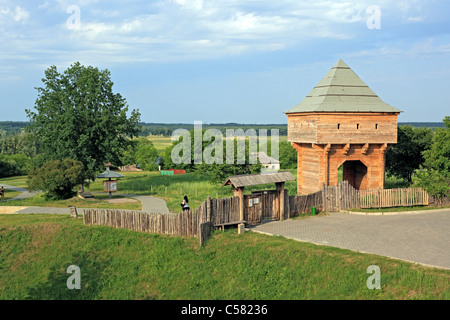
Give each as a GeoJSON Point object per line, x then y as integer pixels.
{"type": "Point", "coordinates": [25, 193]}
{"type": "Point", "coordinates": [149, 204]}
{"type": "Point", "coordinates": [423, 237]}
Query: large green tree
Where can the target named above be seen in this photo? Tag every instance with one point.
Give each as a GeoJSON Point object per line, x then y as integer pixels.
{"type": "Point", "coordinates": [434, 175]}
{"type": "Point", "coordinates": [407, 155]}
{"type": "Point", "coordinates": [288, 155]}
{"type": "Point", "coordinates": [78, 116]}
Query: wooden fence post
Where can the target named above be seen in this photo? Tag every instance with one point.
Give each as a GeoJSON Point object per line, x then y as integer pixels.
{"type": "Point", "coordinates": [208, 209]}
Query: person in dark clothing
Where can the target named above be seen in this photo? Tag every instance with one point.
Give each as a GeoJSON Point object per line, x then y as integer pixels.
{"type": "Point", "coordinates": [2, 193]}
{"type": "Point", "coordinates": [185, 203]}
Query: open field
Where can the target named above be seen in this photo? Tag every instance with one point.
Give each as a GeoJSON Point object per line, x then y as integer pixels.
{"type": "Point", "coordinates": [160, 142]}
{"type": "Point", "coordinates": [123, 264]}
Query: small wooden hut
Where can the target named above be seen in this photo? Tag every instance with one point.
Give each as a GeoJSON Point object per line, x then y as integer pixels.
{"type": "Point", "coordinates": [238, 183]}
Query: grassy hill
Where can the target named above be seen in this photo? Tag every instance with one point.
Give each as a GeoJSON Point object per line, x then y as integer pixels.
{"type": "Point", "coordinates": [120, 264]}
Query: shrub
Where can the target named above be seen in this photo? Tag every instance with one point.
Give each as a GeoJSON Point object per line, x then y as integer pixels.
{"type": "Point", "coordinates": [57, 178]}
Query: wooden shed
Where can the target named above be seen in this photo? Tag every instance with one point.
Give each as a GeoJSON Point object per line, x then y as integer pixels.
{"type": "Point", "coordinates": [247, 202]}
{"type": "Point", "coordinates": [341, 122]}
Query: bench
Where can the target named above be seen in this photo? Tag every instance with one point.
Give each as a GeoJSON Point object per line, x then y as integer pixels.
{"type": "Point", "coordinates": [231, 223]}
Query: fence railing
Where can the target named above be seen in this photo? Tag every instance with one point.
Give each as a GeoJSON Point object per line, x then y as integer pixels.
{"type": "Point", "coordinates": [393, 198]}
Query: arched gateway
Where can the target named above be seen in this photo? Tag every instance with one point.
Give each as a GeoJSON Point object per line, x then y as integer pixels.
{"type": "Point", "coordinates": [341, 123]}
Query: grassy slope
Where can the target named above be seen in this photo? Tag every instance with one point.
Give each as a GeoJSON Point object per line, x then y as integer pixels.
{"type": "Point", "coordinates": [122, 264]}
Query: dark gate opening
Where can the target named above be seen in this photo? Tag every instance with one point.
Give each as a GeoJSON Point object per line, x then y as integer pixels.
{"type": "Point", "coordinates": [355, 172]}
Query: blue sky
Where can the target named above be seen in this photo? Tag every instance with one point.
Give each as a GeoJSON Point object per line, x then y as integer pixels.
{"type": "Point", "coordinates": [220, 61]}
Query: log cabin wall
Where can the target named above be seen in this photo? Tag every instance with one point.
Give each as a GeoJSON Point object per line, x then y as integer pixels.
{"type": "Point", "coordinates": [324, 142]}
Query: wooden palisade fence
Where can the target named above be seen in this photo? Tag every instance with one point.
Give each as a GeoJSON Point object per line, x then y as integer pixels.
{"type": "Point", "coordinates": [195, 223]}
{"type": "Point", "coordinates": [212, 212]}
{"type": "Point", "coordinates": [304, 203]}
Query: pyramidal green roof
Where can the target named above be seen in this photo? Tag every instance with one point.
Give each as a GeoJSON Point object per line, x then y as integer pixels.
{"type": "Point", "coordinates": [341, 90]}
{"type": "Point", "coordinates": [110, 174]}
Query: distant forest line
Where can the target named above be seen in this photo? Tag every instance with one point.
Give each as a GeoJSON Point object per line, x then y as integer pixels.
{"type": "Point", "coordinates": [166, 129]}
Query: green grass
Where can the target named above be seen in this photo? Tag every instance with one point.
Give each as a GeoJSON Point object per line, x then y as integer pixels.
{"type": "Point", "coordinates": [18, 181]}
{"type": "Point", "coordinates": [160, 142]}
{"type": "Point", "coordinates": [123, 264]}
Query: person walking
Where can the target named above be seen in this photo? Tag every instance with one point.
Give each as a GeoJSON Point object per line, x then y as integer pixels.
{"type": "Point", "coordinates": [185, 203]}
{"type": "Point", "coordinates": [2, 193]}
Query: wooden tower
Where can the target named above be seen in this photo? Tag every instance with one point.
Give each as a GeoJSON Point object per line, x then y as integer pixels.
{"type": "Point", "coordinates": [341, 122]}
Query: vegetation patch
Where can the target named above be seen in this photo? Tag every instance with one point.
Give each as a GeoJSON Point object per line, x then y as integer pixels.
{"type": "Point", "coordinates": [123, 264]}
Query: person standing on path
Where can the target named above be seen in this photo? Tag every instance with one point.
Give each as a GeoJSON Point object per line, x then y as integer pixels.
{"type": "Point", "coordinates": [185, 203]}
{"type": "Point", "coordinates": [2, 193]}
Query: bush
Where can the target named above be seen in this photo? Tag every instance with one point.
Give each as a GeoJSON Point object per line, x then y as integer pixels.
{"type": "Point", "coordinates": [57, 178]}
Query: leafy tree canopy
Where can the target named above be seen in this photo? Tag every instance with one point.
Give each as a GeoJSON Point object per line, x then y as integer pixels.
{"type": "Point", "coordinates": [434, 175]}
{"type": "Point", "coordinates": [77, 116]}
{"type": "Point", "coordinates": [406, 156]}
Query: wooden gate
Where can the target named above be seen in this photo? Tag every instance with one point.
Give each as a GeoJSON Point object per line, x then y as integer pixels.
{"type": "Point", "coordinates": [253, 209]}
{"type": "Point", "coordinates": [260, 206]}
{"type": "Point", "coordinates": [342, 197]}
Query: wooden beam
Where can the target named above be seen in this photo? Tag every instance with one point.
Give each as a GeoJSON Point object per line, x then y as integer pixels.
{"type": "Point", "coordinates": [346, 148]}
{"type": "Point", "coordinates": [365, 148]}
{"type": "Point", "coordinates": [280, 199]}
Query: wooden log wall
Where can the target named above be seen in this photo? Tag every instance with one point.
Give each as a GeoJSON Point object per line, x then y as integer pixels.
{"type": "Point", "coordinates": [182, 224]}
{"type": "Point", "coordinates": [304, 203]}
{"type": "Point", "coordinates": [224, 210]}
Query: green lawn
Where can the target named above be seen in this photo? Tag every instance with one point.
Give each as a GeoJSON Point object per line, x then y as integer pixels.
{"type": "Point", "coordinates": [18, 181]}
{"type": "Point", "coordinates": [121, 264]}
{"type": "Point", "coordinates": [160, 142]}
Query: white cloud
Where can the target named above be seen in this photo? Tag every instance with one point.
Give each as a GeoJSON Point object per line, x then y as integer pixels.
{"type": "Point", "coordinates": [21, 14]}
{"type": "Point", "coordinates": [168, 30]}
{"type": "Point", "coordinates": [18, 14]}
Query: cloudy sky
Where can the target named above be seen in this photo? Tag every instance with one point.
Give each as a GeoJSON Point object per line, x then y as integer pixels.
{"type": "Point", "coordinates": [217, 61]}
